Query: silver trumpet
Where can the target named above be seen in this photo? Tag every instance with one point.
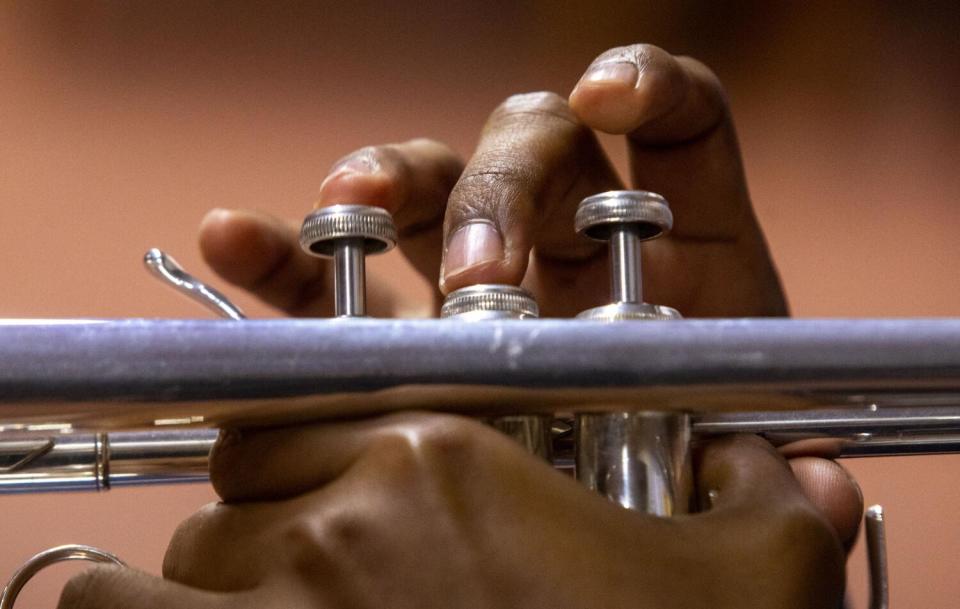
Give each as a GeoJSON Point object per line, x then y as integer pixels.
{"type": "Point", "coordinates": [97, 404]}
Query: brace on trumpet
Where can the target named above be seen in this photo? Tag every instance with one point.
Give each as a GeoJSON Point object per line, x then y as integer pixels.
{"type": "Point", "coordinates": [92, 404]}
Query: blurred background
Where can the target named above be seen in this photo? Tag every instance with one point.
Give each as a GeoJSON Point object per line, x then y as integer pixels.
{"type": "Point", "coordinates": [122, 123]}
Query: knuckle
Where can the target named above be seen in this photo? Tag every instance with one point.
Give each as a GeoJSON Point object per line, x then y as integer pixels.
{"type": "Point", "coordinates": [450, 440]}
{"type": "Point", "coordinates": [540, 104]}
{"type": "Point", "coordinates": [493, 180]}
{"type": "Point", "coordinates": [639, 53]}
{"type": "Point", "coordinates": [429, 143]}
{"type": "Point", "coordinates": [345, 528]}
{"type": "Point", "coordinates": [431, 444]}
{"type": "Point", "coordinates": [316, 546]}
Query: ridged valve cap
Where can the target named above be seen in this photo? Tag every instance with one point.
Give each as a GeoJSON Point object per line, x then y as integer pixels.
{"type": "Point", "coordinates": [647, 211]}
{"type": "Point", "coordinates": [322, 228]}
{"type": "Point", "coordinates": [490, 301]}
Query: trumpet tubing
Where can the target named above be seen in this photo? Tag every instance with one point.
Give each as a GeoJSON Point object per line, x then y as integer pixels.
{"type": "Point", "coordinates": [31, 463]}
{"type": "Point", "coordinates": [101, 404]}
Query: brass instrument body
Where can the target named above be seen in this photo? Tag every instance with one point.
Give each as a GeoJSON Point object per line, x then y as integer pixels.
{"type": "Point", "coordinates": [100, 404]}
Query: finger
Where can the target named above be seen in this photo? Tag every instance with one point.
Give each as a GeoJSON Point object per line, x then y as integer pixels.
{"type": "Point", "coordinates": [124, 588]}
{"type": "Point", "coordinates": [262, 254]}
{"type": "Point", "coordinates": [827, 484]}
{"type": "Point", "coordinates": [834, 492]}
{"type": "Point", "coordinates": [743, 472]}
{"type": "Point", "coordinates": [533, 165]}
{"type": "Point", "coordinates": [257, 465]}
{"type": "Point", "coordinates": [218, 548]}
{"type": "Point", "coordinates": [412, 181]}
{"type": "Point", "coordinates": [746, 474]}
{"type": "Point", "coordinates": [660, 102]}
{"type": "Point", "coordinates": [683, 146]}
{"type": "Point", "coordinates": [790, 447]}
{"type": "Point", "coordinates": [250, 464]}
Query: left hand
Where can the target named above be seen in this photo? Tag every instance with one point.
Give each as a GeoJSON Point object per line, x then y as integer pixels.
{"type": "Point", "coordinates": [432, 511]}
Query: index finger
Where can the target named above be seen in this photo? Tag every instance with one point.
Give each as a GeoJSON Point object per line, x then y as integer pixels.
{"type": "Point", "coordinates": [519, 192]}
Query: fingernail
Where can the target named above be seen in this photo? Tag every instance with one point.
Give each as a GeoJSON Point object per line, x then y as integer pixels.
{"type": "Point", "coordinates": [470, 245]}
{"type": "Point", "coordinates": [215, 215]}
{"type": "Point", "coordinates": [356, 165]}
{"type": "Point", "coordinates": [362, 163]}
{"type": "Point", "coordinates": [620, 72]}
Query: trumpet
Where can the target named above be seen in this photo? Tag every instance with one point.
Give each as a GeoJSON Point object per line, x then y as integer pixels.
{"type": "Point", "coordinates": [98, 404]}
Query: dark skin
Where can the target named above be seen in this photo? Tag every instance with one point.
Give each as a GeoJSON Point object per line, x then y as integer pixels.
{"type": "Point", "coordinates": [431, 510]}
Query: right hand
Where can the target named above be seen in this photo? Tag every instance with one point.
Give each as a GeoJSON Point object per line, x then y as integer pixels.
{"type": "Point", "coordinates": [536, 160]}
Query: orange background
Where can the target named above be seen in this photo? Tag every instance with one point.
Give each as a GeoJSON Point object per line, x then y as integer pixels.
{"type": "Point", "coordinates": [121, 123]}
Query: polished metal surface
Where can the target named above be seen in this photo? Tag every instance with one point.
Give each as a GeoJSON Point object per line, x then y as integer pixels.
{"type": "Point", "coordinates": [875, 533]}
{"type": "Point", "coordinates": [640, 460]}
{"type": "Point", "coordinates": [596, 215]}
{"type": "Point", "coordinates": [488, 302]}
{"type": "Point", "coordinates": [629, 311]}
{"type": "Point", "coordinates": [624, 218]}
{"type": "Point", "coordinates": [350, 278]}
{"type": "Point", "coordinates": [625, 284]}
{"type": "Point", "coordinates": [867, 431]}
{"type": "Point", "coordinates": [866, 419]}
{"type": "Point", "coordinates": [47, 558]}
{"type": "Point", "coordinates": [31, 463]}
{"type": "Point", "coordinates": [347, 233]}
{"type": "Point", "coordinates": [165, 268]}
{"type": "Point", "coordinates": [530, 431]}
{"type": "Point", "coordinates": [98, 462]}
{"type": "Point", "coordinates": [107, 375]}
{"type": "Point", "coordinates": [324, 227]}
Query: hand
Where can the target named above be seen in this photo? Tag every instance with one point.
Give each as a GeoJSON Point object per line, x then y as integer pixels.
{"type": "Point", "coordinates": [428, 511]}
{"type": "Point", "coordinates": [536, 160]}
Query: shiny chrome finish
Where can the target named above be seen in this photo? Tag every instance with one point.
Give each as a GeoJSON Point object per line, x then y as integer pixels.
{"type": "Point", "coordinates": [350, 279]}
{"type": "Point", "coordinates": [875, 533]}
{"type": "Point", "coordinates": [629, 311]}
{"type": "Point", "coordinates": [648, 211]}
{"type": "Point", "coordinates": [869, 419]}
{"type": "Point", "coordinates": [531, 431]}
{"type": "Point", "coordinates": [97, 462]}
{"type": "Point", "coordinates": [347, 233]}
{"type": "Point", "coordinates": [856, 432]}
{"type": "Point", "coordinates": [625, 265]}
{"type": "Point", "coordinates": [640, 460]}
{"type": "Point", "coordinates": [487, 302]}
{"type": "Point", "coordinates": [165, 268]}
{"type": "Point", "coordinates": [136, 374]}
{"type": "Point", "coordinates": [47, 558]}
{"type": "Point", "coordinates": [72, 462]}
{"type": "Point", "coordinates": [624, 218]}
